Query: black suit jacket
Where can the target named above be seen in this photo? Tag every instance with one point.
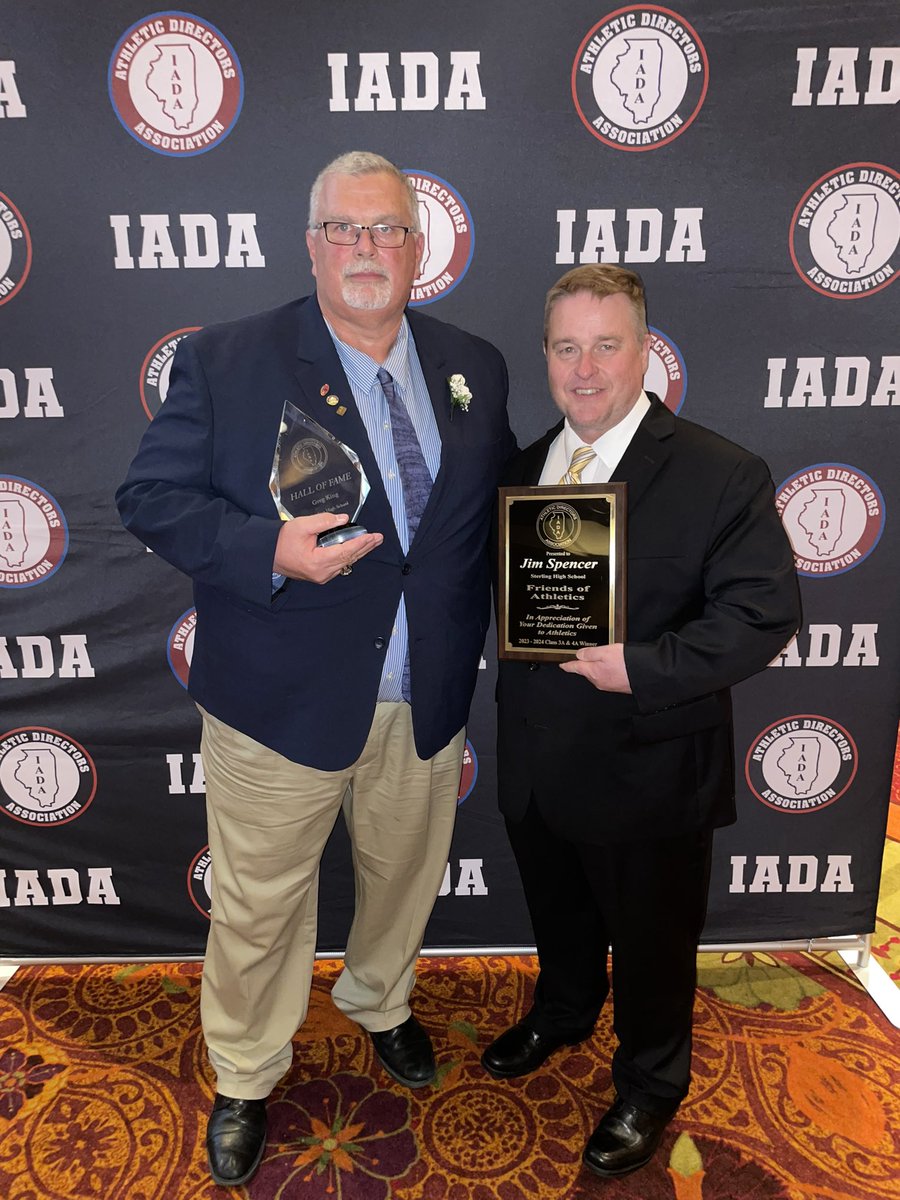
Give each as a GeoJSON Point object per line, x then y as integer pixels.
{"type": "Point", "coordinates": [711, 598]}
{"type": "Point", "coordinates": [299, 671]}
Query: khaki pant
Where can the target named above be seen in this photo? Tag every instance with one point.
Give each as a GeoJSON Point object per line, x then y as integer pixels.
{"type": "Point", "coordinates": [269, 820]}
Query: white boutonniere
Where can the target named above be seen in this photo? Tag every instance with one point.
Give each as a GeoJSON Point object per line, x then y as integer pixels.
{"type": "Point", "coordinates": [460, 396]}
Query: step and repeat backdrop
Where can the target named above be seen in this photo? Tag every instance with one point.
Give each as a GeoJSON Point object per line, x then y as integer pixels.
{"type": "Point", "coordinates": [154, 175]}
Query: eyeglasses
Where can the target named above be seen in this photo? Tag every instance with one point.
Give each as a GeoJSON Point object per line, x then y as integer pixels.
{"type": "Point", "coordinates": [345, 233]}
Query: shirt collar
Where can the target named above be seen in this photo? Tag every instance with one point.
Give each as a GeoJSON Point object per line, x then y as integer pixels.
{"type": "Point", "coordinates": [362, 370]}
{"type": "Point", "coordinates": [610, 446]}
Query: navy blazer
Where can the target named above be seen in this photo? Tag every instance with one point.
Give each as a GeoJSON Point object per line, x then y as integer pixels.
{"type": "Point", "coordinates": [712, 597]}
{"type": "Point", "coordinates": [299, 671]}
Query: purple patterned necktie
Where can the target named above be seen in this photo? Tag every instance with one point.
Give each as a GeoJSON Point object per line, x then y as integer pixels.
{"type": "Point", "coordinates": [414, 474]}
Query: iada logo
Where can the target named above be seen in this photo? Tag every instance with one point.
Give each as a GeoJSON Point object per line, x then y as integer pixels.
{"type": "Point", "coordinates": [469, 772]}
{"type": "Point", "coordinates": [46, 778]}
{"type": "Point", "coordinates": [176, 84]}
{"type": "Point", "coordinates": [801, 764]}
{"type": "Point", "coordinates": [558, 525]}
{"type": "Point", "coordinates": [846, 230]}
{"type": "Point", "coordinates": [15, 249]}
{"type": "Point", "coordinates": [666, 373]}
{"type": "Point", "coordinates": [834, 516]}
{"type": "Point", "coordinates": [34, 536]}
{"type": "Point", "coordinates": [639, 77]}
{"type": "Point", "coordinates": [446, 225]}
{"type": "Point", "coordinates": [199, 881]}
{"type": "Point", "coordinates": [155, 369]}
{"type": "Point", "coordinates": [309, 457]}
{"type": "Point", "coordinates": [180, 648]}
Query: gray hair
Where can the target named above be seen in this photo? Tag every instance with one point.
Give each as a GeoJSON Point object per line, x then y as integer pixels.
{"type": "Point", "coordinates": [363, 162]}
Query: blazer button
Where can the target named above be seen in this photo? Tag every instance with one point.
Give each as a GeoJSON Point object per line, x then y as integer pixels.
{"type": "Point", "coordinates": [406, 568]}
{"type": "Point", "coordinates": [379, 643]}
{"type": "Point", "coordinates": [534, 666]}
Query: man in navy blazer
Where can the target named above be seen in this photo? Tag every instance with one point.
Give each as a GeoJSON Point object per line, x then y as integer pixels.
{"type": "Point", "coordinates": [327, 676]}
{"type": "Point", "coordinates": [616, 766]}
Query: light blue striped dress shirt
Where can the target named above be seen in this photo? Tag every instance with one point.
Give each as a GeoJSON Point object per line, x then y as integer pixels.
{"type": "Point", "coordinates": [362, 375]}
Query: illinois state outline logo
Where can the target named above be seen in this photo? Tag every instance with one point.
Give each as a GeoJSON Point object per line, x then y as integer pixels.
{"type": "Point", "coordinates": [639, 77]}
{"type": "Point", "coordinates": [666, 373]}
{"type": "Point", "coordinates": [154, 381]}
{"type": "Point", "coordinates": [180, 645]}
{"type": "Point", "coordinates": [801, 764]}
{"type": "Point", "coordinates": [15, 249]}
{"type": "Point", "coordinates": [468, 772]}
{"type": "Point", "coordinates": [176, 84]}
{"type": "Point", "coordinates": [834, 516]}
{"type": "Point", "coordinates": [46, 778]}
{"type": "Point", "coordinates": [449, 234]}
{"type": "Point", "coordinates": [34, 536]}
{"type": "Point", "coordinates": [199, 881]}
{"type": "Point", "coordinates": [845, 232]}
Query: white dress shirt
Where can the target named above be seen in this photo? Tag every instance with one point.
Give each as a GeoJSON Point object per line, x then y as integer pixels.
{"type": "Point", "coordinates": [609, 448]}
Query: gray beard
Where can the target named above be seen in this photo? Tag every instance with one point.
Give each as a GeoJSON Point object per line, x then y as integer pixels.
{"type": "Point", "coordinates": [366, 295]}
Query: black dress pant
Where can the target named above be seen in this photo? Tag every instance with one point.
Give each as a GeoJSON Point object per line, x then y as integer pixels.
{"type": "Point", "coordinates": [644, 900]}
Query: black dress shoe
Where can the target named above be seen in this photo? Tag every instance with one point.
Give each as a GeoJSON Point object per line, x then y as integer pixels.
{"type": "Point", "coordinates": [625, 1140]}
{"type": "Point", "coordinates": [405, 1053]}
{"type": "Point", "coordinates": [235, 1139]}
{"type": "Point", "coordinates": [521, 1050]}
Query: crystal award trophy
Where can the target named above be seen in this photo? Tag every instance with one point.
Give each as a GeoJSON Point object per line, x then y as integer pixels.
{"type": "Point", "coordinates": [312, 472]}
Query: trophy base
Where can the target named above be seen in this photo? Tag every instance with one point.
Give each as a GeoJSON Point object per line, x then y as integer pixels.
{"type": "Point", "coordinates": [341, 533]}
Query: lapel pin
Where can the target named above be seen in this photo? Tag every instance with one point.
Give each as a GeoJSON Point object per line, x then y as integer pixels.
{"type": "Point", "coordinates": [324, 389]}
{"type": "Point", "coordinates": [332, 400]}
{"type": "Point", "coordinates": [341, 410]}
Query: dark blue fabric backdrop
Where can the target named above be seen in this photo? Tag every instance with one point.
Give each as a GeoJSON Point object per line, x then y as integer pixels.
{"type": "Point", "coordinates": [154, 171]}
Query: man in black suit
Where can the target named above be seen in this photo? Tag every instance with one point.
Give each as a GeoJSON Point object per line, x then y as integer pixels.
{"type": "Point", "coordinates": [615, 767]}
{"type": "Point", "coordinates": [327, 677]}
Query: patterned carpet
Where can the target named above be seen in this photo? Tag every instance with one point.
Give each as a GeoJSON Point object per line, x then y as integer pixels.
{"type": "Point", "coordinates": [104, 1090]}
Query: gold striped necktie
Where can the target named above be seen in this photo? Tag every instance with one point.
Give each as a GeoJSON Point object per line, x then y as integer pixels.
{"type": "Point", "coordinates": [580, 459]}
